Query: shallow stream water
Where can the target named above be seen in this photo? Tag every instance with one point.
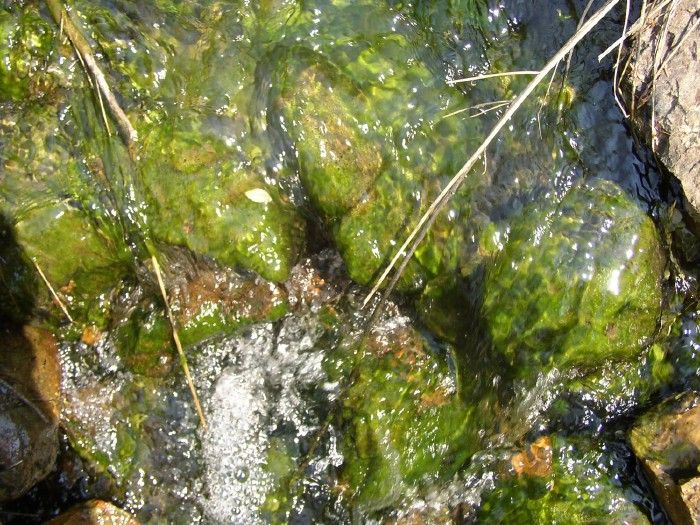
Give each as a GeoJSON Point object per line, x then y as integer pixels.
{"type": "Point", "coordinates": [286, 148]}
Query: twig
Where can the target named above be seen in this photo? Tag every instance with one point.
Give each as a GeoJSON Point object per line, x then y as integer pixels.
{"type": "Point", "coordinates": [178, 344]}
{"type": "Point", "coordinates": [419, 232]}
{"type": "Point", "coordinates": [53, 292]}
{"type": "Point", "coordinates": [494, 104]}
{"type": "Point", "coordinates": [490, 75]}
{"type": "Point", "coordinates": [82, 47]}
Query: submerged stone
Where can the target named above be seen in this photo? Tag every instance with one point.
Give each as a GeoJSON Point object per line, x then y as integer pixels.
{"type": "Point", "coordinates": [339, 158]}
{"type": "Point", "coordinates": [217, 206]}
{"type": "Point", "coordinates": [667, 442]}
{"type": "Point", "coordinates": [77, 259]}
{"type": "Point", "coordinates": [372, 168]}
{"type": "Point", "coordinates": [404, 425]}
{"type": "Point", "coordinates": [28, 42]}
{"type": "Point", "coordinates": [577, 284]}
{"type": "Point", "coordinates": [561, 480]}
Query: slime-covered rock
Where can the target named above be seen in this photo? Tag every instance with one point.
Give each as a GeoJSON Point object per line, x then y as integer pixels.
{"type": "Point", "coordinates": [574, 483]}
{"type": "Point", "coordinates": [576, 285]}
{"type": "Point", "coordinates": [405, 425]}
{"type": "Point", "coordinates": [200, 197]}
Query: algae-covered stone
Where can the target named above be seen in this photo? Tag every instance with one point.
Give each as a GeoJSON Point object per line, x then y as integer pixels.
{"type": "Point", "coordinates": [574, 481]}
{"type": "Point", "coordinates": [577, 284]}
{"type": "Point", "coordinates": [368, 235]}
{"type": "Point", "coordinates": [338, 156]}
{"type": "Point", "coordinates": [369, 166]}
{"type": "Point", "coordinates": [214, 302]}
{"type": "Point", "coordinates": [26, 44]}
{"type": "Point", "coordinates": [667, 442]}
{"type": "Point", "coordinates": [201, 198]}
{"type": "Point", "coordinates": [404, 424]}
{"type": "Point", "coordinates": [75, 256]}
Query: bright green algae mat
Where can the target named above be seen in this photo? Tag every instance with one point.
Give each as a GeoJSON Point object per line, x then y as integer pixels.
{"type": "Point", "coordinates": [577, 284]}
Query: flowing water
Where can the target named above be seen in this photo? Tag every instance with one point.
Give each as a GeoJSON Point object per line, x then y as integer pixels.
{"type": "Point", "coordinates": [298, 142]}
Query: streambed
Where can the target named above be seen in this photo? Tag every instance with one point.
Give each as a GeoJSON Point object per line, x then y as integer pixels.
{"type": "Point", "coordinates": [285, 151]}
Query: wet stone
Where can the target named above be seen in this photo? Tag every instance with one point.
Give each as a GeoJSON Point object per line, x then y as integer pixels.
{"type": "Point", "coordinates": [29, 409]}
{"type": "Point", "coordinates": [666, 441]}
{"type": "Point", "coordinates": [580, 484]}
{"type": "Point", "coordinates": [94, 512]}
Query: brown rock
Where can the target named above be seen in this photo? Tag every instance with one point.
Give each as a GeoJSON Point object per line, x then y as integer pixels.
{"type": "Point", "coordinates": [662, 91]}
{"type": "Point", "coordinates": [29, 409]}
{"type": "Point", "coordinates": [690, 492]}
{"type": "Point", "coordinates": [667, 442]}
{"type": "Point", "coordinates": [94, 512]}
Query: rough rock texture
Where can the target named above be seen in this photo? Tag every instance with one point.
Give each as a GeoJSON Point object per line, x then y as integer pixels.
{"type": "Point", "coordinates": [666, 111]}
{"type": "Point", "coordinates": [667, 442]}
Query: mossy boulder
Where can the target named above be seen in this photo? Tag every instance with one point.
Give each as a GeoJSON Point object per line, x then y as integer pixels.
{"type": "Point", "coordinates": [339, 158]}
{"type": "Point", "coordinates": [206, 197]}
{"type": "Point", "coordinates": [370, 173]}
{"type": "Point", "coordinates": [76, 257]}
{"type": "Point", "coordinates": [578, 283]}
{"type": "Point", "coordinates": [576, 481]}
{"type": "Point", "coordinates": [404, 425]}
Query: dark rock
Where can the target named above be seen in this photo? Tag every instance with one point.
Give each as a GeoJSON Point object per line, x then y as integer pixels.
{"type": "Point", "coordinates": [29, 410]}
{"type": "Point", "coordinates": [667, 442]}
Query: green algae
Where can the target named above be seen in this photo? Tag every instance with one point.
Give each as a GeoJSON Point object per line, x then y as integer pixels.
{"type": "Point", "coordinates": [201, 198]}
{"type": "Point", "coordinates": [579, 486]}
{"type": "Point", "coordinates": [27, 49]}
{"type": "Point", "coordinates": [204, 181]}
{"type": "Point", "coordinates": [369, 90]}
{"type": "Point", "coordinates": [576, 284]}
{"type": "Point", "coordinates": [337, 160]}
{"type": "Point", "coordinates": [403, 424]}
{"type": "Point", "coordinates": [70, 251]}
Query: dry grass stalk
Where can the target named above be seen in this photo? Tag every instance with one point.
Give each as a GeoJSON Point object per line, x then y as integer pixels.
{"type": "Point", "coordinates": [178, 344]}
{"type": "Point", "coordinates": [84, 52]}
{"type": "Point", "coordinates": [634, 29]}
{"type": "Point", "coordinates": [616, 74]}
{"type": "Point", "coordinates": [53, 292]}
{"type": "Point", "coordinates": [408, 248]}
{"type": "Point", "coordinates": [490, 75]}
{"type": "Point", "coordinates": [485, 107]}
